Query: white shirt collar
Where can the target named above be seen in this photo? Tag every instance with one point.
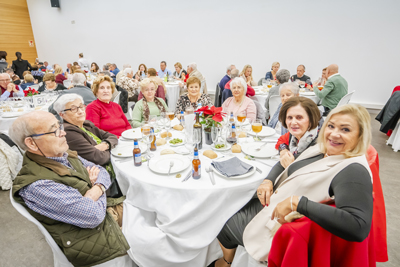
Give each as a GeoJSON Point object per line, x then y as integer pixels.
{"type": "Point", "coordinates": [334, 75]}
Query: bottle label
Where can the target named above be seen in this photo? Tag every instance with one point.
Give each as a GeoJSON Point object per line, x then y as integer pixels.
{"type": "Point", "coordinates": [138, 158]}
{"type": "Point", "coordinates": [198, 172]}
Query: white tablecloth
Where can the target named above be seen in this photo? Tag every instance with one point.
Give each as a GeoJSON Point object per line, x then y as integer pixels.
{"type": "Point", "coordinates": [263, 97]}
{"type": "Point", "coordinates": [170, 223]}
{"type": "Point", "coordinates": [173, 91]}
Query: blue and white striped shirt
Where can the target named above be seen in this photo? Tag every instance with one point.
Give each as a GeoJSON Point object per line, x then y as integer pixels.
{"type": "Point", "coordinates": [64, 203]}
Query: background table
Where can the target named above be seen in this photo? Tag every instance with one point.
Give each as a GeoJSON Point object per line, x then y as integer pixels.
{"type": "Point", "coordinates": [262, 97]}
{"type": "Point", "coordinates": [170, 223]}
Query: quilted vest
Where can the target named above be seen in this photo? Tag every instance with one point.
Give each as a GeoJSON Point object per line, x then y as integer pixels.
{"type": "Point", "coordinates": [82, 246]}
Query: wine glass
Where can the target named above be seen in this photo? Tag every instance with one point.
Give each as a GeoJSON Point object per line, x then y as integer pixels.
{"type": "Point", "coordinates": [241, 117]}
{"type": "Point", "coordinates": [197, 137]}
{"type": "Point", "coordinates": [153, 122]}
{"type": "Point", "coordinates": [214, 134]}
{"type": "Point", "coordinates": [145, 129]}
{"type": "Point", "coordinates": [256, 126]}
{"type": "Point", "coordinates": [189, 143]}
{"type": "Point", "coordinates": [167, 125]}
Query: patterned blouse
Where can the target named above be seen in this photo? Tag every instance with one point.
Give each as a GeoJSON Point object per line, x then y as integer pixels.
{"type": "Point", "coordinates": [129, 84]}
{"type": "Point", "coordinates": [184, 102]}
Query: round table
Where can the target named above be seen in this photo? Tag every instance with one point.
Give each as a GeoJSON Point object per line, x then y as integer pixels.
{"type": "Point", "coordinates": [262, 97]}
{"type": "Point", "coordinates": [173, 91]}
{"type": "Point", "coordinates": [168, 222]}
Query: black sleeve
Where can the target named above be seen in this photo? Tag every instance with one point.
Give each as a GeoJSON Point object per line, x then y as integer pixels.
{"type": "Point", "coordinates": [29, 65]}
{"type": "Point", "coordinates": [351, 219]}
{"type": "Point", "coordinates": [275, 172]}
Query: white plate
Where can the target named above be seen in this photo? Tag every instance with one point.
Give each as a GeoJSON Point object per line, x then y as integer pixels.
{"type": "Point", "coordinates": [12, 114]}
{"type": "Point", "coordinates": [227, 147]}
{"type": "Point", "coordinates": [126, 151]}
{"type": "Point", "coordinates": [238, 176]}
{"type": "Point", "coordinates": [160, 164]}
{"type": "Point", "coordinates": [307, 93]}
{"type": "Point", "coordinates": [266, 131]}
{"type": "Point", "coordinates": [180, 144]}
{"type": "Point", "coordinates": [266, 151]}
{"type": "Point", "coordinates": [132, 134]}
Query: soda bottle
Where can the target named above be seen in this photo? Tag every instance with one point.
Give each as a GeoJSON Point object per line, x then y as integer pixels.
{"type": "Point", "coordinates": [137, 154]}
{"type": "Point", "coordinates": [196, 165]}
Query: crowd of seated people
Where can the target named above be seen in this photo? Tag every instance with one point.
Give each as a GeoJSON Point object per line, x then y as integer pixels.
{"type": "Point", "coordinates": [78, 149]}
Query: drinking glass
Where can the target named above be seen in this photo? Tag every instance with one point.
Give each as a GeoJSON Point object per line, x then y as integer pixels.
{"type": "Point", "coordinates": [241, 117]}
{"type": "Point", "coordinates": [256, 126]}
{"type": "Point", "coordinates": [145, 129]}
{"type": "Point", "coordinates": [167, 125]}
{"type": "Point", "coordinates": [197, 137]}
{"type": "Point", "coordinates": [214, 134]}
{"type": "Point", "coordinates": [265, 83]}
{"type": "Point", "coordinates": [189, 143]}
{"type": "Point", "coordinates": [153, 122]}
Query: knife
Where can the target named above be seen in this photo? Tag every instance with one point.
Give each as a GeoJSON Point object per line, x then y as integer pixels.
{"type": "Point", "coordinates": [187, 176]}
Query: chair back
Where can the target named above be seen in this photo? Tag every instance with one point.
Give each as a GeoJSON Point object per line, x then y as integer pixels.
{"type": "Point", "coordinates": [59, 258]}
{"type": "Point", "coordinates": [35, 86]}
{"type": "Point", "coordinates": [260, 82]}
{"type": "Point", "coordinates": [116, 99]}
{"type": "Point", "coordinates": [345, 100]}
{"type": "Point", "coordinates": [260, 111]}
{"type": "Point", "coordinates": [274, 102]}
{"type": "Point", "coordinates": [217, 99]}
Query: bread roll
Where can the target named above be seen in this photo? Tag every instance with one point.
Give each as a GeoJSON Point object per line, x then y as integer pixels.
{"type": "Point", "coordinates": [161, 142]}
{"type": "Point", "coordinates": [178, 127]}
{"type": "Point", "coordinates": [167, 151]}
{"type": "Point", "coordinates": [164, 134]}
{"type": "Point", "coordinates": [242, 134]}
{"type": "Point", "coordinates": [210, 154]}
{"type": "Point", "coordinates": [236, 148]}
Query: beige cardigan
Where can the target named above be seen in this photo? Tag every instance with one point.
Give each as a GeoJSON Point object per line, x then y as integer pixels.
{"type": "Point", "coordinates": [312, 181]}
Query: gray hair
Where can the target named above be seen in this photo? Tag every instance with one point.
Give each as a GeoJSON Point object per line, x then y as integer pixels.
{"type": "Point", "coordinates": [283, 76]}
{"type": "Point", "coordinates": [128, 71]}
{"type": "Point", "coordinates": [235, 73]}
{"type": "Point", "coordinates": [294, 87]}
{"type": "Point", "coordinates": [304, 67]}
{"type": "Point", "coordinates": [125, 66]}
{"type": "Point", "coordinates": [193, 66]}
{"type": "Point", "coordinates": [78, 79]}
{"type": "Point", "coordinates": [239, 81]}
{"type": "Point", "coordinates": [229, 67]}
{"type": "Point", "coordinates": [105, 73]}
{"type": "Point", "coordinates": [63, 100]}
{"type": "Point", "coordinates": [6, 74]}
{"type": "Point", "coordinates": [105, 67]}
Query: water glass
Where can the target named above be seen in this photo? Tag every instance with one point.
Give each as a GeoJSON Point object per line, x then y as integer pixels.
{"type": "Point", "coordinates": [214, 134]}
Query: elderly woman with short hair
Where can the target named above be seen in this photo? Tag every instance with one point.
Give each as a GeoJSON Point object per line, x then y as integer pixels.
{"type": "Point", "coordinates": [129, 84]}
{"type": "Point", "coordinates": [239, 103]}
{"type": "Point", "coordinates": [106, 115]}
{"type": "Point", "coordinates": [247, 75]}
{"type": "Point", "coordinates": [193, 97]}
{"type": "Point", "coordinates": [286, 91]}
{"type": "Point", "coordinates": [149, 104]}
{"type": "Point", "coordinates": [28, 81]}
{"type": "Point", "coordinates": [161, 89]}
{"type": "Point", "coordinates": [49, 84]}
{"type": "Point", "coordinates": [335, 167]}
{"type": "Point", "coordinates": [179, 73]}
{"type": "Point", "coordinates": [271, 75]}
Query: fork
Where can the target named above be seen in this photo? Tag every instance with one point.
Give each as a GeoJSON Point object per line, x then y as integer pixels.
{"type": "Point", "coordinates": [171, 164]}
{"type": "Point", "coordinates": [266, 142]}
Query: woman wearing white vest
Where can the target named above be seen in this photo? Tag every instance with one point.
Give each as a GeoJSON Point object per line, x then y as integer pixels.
{"type": "Point", "coordinates": [335, 167]}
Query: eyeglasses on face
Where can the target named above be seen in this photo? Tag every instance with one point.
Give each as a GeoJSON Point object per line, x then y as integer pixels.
{"type": "Point", "coordinates": [74, 109]}
{"type": "Point", "coordinates": [56, 133]}
{"type": "Point", "coordinates": [149, 90]}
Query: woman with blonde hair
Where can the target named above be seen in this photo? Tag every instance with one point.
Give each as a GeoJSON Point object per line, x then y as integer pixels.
{"type": "Point", "coordinates": [149, 104]}
{"type": "Point", "coordinates": [179, 73]}
{"type": "Point", "coordinates": [336, 168]}
{"type": "Point", "coordinates": [193, 96]}
{"type": "Point", "coordinates": [60, 78]}
{"type": "Point", "coordinates": [271, 75]}
{"type": "Point", "coordinates": [247, 75]}
{"type": "Point", "coordinates": [161, 89]}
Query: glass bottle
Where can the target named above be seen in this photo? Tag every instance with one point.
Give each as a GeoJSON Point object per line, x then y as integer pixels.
{"type": "Point", "coordinates": [137, 154]}
{"type": "Point", "coordinates": [232, 135]}
{"type": "Point", "coordinates": [231, 118]}
{"type": "Point", "coordinates": [182, 119]}
{"type": "Point", "coordinates": [197, 127]}
{"type": "Point", "coordinates": [153, 146]}
{"type": "Point", "coordinates": [196, 165]}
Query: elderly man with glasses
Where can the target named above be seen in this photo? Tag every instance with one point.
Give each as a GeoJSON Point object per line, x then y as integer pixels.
{"type": "Point", "coordinates": [66, 193]}
{"type": "Point", "coordinates": [8, 89]}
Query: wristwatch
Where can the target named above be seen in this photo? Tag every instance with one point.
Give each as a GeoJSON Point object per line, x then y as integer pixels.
{"type": "Point", "coordinates": [103, 189]}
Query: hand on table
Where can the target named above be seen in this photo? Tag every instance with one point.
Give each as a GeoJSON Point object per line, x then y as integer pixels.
{"type": "Point", "coordinates": [284, 208]}
{"type": "Point", "coordinates": [264, 192]}
{"type": "Point", "coordinates": [93, 173]}
{"type": "Point", "coordinates": [309, 87]}
{"type": "Point", "coordinates": [286, 158]}
{"type": "Point", "coordinates": [70, 86]}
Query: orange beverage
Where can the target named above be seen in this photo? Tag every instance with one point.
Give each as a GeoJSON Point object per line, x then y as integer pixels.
{"type": "Point", "coordinates": [146, 129]}
{"type": "Point", "coordinates": [256, 127]}
{"type": "Point", "coordinates": [269, 86]}
{"type": "Point", "coordinates": [241, 118]}
{"type": "Point", "coordinates": [171, 116]}
{"type": "Point", "coordinates": [320, 87]}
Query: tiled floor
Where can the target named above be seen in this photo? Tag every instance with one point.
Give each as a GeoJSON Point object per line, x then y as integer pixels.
{"type": "Point", "coordinates": [21, 243]}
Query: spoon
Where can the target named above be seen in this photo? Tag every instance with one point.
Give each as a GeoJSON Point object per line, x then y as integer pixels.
{"type": "Point", "coordinates": [171, 164]}
{"type": "Point", "coordinates": [210, 172]}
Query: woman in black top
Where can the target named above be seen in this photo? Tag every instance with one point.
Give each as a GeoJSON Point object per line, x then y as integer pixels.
{"type": "Point", "coordinates": [346, 133]}
{"type": "Point", "coordinates": [49, 84]}
{"type": "Point", "coordinates": [179, 72]}
{"type": "Point", "coordinates": [20, 65]}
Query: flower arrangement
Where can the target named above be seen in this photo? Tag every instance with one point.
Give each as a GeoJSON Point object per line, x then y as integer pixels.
{"type": "Point", "coordinates": [30, 92]}
{"type": "Point", "coordinates": [211, 116]}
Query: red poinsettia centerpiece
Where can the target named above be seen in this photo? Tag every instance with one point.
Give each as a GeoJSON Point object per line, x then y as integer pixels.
{"type": "Point", "coordinates": [30, 92]}
{"type": "Point", "coordinates": [210, 116]}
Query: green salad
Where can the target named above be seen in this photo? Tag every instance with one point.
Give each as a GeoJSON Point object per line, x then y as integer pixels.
{"type": "Point", "coordinates": [175, 141]}
{"type": "Point", "coordinates": [219, 146]}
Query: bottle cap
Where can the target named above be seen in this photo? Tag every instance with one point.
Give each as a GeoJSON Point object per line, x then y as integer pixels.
{"type": "Point", "coordinates": [181, 112]}
{"type": "Point", "coordinates": [135, 141]}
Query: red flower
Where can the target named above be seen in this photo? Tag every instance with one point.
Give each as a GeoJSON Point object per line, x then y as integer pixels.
{"type": "Point", "coordinates": [217, 117]}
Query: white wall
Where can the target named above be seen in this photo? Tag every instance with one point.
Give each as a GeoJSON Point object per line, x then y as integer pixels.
{"type": "Point", "coordinates": [362, 37]}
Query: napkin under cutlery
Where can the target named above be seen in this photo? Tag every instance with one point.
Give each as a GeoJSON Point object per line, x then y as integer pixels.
{"type": "Point", "coordinates": [232, 167]}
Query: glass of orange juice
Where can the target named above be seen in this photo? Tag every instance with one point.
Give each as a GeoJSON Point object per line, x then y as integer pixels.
{"type": "Point", "coordinates": [256, 126]}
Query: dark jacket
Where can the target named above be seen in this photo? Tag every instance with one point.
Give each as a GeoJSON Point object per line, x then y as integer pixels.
{"type": "Point", "coordinates": [123, 98]}
{"type": "Point", "coordinates": [82, 246]}
{"type": "Point", "coordinates": [82, 143]}
{"type": "Point", "coordinates": [390, 114]}
{"type": "Point", "coordinates": [20, 66]}
{"type": "Point", "coordinates": [58, 88]}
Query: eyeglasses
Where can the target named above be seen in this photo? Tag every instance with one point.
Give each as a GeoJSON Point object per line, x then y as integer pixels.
{"type": "Point", "coordinates": [149, 90]}
{"type": "Point", "coordinates": [75, 109]}
{"type": "Point", "coordinates": [56, 133]}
